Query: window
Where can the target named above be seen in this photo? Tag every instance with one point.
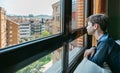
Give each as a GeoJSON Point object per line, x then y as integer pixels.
{"type": "Point", "coordinates": [10, 27]}
{"type": "Point", "coordinates": [77, 14]}
{"type": "Point", "coordinates": [37, 45]}
{"type": "Point", "coordinates": [10, 36]}
{"type": "Point", "coordinates": [45, 64]}
{"type": "Point", "coordinates": [57, 18]}
{"type": "Point", "coordinates": [36, 22]}
{"type": "Point", "coordinates": [10, 32]}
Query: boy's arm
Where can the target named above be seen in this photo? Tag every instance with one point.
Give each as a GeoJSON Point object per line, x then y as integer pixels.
{"type": "Point", "coordinates": [101, 54]}
{"type": "Point", "coordinates": [90, 52]}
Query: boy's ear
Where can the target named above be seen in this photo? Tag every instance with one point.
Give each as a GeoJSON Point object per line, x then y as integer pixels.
{"type": "Point", "coordinates": [96, 26]}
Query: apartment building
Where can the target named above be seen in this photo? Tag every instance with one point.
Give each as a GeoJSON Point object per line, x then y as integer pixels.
{"type": "Point", "coordinates": [39, 26]}
{"type": "Point", "coordinates": [25, 30]}
{"type": "Point", "coordinates": [56, 18]}
{"type": "Point", "coordinates": [54, 28]}
{"type": "Point", "coordinates": [48, 26]}
{"type": "Point", "coordinates": [3, 39]}
{"type": "Point", "coordinates": [12, 32]}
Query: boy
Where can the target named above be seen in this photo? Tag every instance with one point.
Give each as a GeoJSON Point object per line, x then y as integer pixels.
{"type": "Point", "coordinates": [107, 49]}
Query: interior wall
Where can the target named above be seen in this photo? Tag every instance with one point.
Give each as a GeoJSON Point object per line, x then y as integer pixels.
{"type": "Point", "coordinates": [100, 6]}
{"type": "Point", "coordinates": [114, 18]}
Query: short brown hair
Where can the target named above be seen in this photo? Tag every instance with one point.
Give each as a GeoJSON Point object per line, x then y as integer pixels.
{"type": "Point", "coordinates": [100, 19]}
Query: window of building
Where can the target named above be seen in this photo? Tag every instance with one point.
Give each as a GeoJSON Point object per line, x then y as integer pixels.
{"type": "Point", "coordinates": [10, 27]}
{"type": "Point", "coordinates": [10, 32]}
{"type": "Point", "coordinates": [10, 36]}
{"type": "Point", "coordinates": [11, 40]}
{"type": "Point", "coordinates": [57, 18]}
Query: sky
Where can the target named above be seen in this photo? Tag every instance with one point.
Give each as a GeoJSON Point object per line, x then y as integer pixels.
{"type": "Point", "coordinates": [26, 7]}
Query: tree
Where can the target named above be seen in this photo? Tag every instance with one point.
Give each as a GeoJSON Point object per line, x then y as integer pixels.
{"type": "Point", "coordinates": [44, 34]}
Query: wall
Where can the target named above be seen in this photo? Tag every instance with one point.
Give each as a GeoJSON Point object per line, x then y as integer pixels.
{"type": "Point", "coordinates": [114, 18]}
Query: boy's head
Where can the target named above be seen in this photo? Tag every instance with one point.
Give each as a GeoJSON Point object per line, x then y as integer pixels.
{"type": "Point", "coordinates": [100, 19]}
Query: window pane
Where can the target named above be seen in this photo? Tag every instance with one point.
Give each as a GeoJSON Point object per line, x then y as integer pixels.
{"type": "Point", "coordinates": [77, 13]}
{"type": "Point", "coordinates": [75, 47]}
{"type": "Point", "coordinates": [77, 22]}
{"type": "Point", "coordinates": [50, 63]}
{"type": "Point", "coordinates": [21, 22]}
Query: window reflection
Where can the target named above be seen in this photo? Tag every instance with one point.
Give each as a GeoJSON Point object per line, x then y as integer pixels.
{"type": "Point", "coordinates": [77, 13]}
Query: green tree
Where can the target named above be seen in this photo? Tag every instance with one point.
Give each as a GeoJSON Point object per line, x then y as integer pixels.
{"type": "Point", "coordinates": [44, 34]}
{"type": "Point", "coordinates": [36, 66]}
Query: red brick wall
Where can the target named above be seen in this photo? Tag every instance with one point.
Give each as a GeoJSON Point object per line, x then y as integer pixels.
{"type": "Point", "coordinates": [80, 20]}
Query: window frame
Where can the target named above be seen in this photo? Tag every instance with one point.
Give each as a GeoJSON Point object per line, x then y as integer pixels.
{"type": "Point", "coordinates": [15, 57]}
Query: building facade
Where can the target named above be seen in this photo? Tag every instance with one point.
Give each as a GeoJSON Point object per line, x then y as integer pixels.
{"type": "Point", "coordinates": [3, 40]}
{"type": "Point", "coordinates": [56, 18]}
{"type": "Point", "coordinates": [12, 32]}
{"type": "Point", "coordinates": [25, 30]}
{"type": "Point", "coordinates": [54, 28]}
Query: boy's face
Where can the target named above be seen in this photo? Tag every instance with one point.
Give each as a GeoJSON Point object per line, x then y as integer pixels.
{"type": "Point", "coordinates": [90, 28]}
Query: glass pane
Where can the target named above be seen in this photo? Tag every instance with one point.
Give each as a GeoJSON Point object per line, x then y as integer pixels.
{"type": "Point", "coordinates": [77, 13]}
{"type": "Point", "coordinates": [75, 47]}
{"type": "Point", "coordinates": [26, 20]}
{"type": "Point", "coordinates": [56, 62]}
{"type": "Point", "coordinates": [77, 22]}
{"type": "Point", "coordinates": [50, 63]}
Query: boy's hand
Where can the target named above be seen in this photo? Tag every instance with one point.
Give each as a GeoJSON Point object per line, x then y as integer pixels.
{"type": "Point", "coordinates": [89, 52]}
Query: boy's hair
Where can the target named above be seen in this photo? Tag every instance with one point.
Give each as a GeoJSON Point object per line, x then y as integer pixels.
{"type": "Point", "coordinates": [100, 19]}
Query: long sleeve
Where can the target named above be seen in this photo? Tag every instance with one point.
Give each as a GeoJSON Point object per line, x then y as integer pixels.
{"type": "Point", "coordinates": [101, 53]}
